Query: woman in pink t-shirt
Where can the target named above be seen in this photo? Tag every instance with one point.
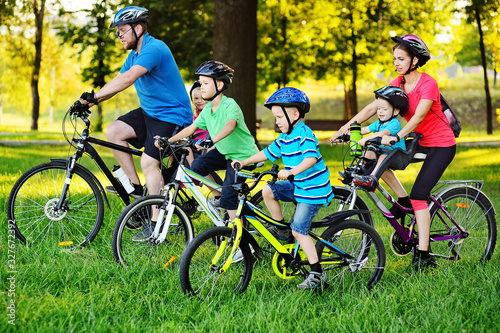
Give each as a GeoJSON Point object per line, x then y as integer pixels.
{"type": "Point", "coordinates": [424, 116]}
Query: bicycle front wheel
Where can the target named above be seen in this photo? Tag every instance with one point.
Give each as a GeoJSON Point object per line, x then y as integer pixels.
{"type": "Point", "coordinates": [205, 255]}
{"type": "Point", "coordinates": [128, 251]}
{"type": "Point", "coordinates": [32, 207]}
{"type": "Point", "coordinates": [474, 213]}
{"type": "Point", "coordinates": [358, 257]}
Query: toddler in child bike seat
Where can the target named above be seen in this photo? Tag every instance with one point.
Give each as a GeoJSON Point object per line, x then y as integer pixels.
{"type": "Point", "coordinates": [391, 102]}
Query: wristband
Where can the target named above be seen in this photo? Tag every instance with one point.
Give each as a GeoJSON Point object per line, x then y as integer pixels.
{"type": "Point", "coordinates": [398, 138]}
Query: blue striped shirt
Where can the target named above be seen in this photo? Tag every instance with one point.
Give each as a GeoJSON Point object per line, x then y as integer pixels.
{"type": "Point", "coordinates": [312, 186]}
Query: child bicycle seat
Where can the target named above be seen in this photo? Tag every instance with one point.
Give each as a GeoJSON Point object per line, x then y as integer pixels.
{"type": "Point", "coordinates": [398, 159]}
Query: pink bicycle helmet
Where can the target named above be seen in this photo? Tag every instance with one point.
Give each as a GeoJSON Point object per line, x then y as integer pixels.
{"type": "Point", "coordinates": [416, 46]}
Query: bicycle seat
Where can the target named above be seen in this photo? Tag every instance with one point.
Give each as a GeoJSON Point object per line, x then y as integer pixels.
{"type": "Point", "coordinates": [398, 159]}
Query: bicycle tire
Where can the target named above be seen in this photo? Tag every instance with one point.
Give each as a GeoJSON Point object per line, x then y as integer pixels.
{"type": "Point", "coordinates": [363, 244]}
{"type": "Point", "coordinates": [37, 191]}
{"type": "Point", "coordinates": [476, 218]}
{"type": "Point", "coordinates": [126, 252]}
{"type": "Point", "coordinates": [200, 278]}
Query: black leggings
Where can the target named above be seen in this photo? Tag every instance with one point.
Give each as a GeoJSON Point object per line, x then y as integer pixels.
{"type": "Point", "coordinates": [437, 160]}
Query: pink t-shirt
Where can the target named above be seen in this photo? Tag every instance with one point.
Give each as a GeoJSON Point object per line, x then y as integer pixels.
{"type": "Point", "coordinates": [200, 134]}
{"type": "Point", "coordinates": [434, 127]}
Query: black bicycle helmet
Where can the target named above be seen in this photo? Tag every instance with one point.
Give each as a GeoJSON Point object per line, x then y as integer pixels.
{"type": "Point", "coordinates": [196, 84]}
{"type": "Point", "coordinates": [396, 97]}
{"type": "Point", "coordinates": [130, 15]}
{"type": "Point", "coordinates": [289, 97]}
{"type": "Point", "coordinates": [217, 71]}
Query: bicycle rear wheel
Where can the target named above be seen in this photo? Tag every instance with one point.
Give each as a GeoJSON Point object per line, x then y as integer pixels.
{"type": "Point", "coordinates": [199, 271]}
{"type": "Point", "coordinates": [365, 261]}
{"type": "Point", "coordinates": [31, 207]}
{"type": "Point", "coordinates": [474, 213]}
{"type": "Point", "coordinates": [137, 216]}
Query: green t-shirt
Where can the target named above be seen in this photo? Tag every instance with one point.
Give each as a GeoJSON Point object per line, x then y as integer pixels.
{"type": "Point", "coordinates": [240, 144]}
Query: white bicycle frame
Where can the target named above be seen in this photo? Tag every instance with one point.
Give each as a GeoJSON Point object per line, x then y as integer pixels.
{"type": "Point", "coordinates": [189, 180]}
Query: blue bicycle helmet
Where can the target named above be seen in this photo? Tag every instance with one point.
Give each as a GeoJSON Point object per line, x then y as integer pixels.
{"type": "Point", "coordinates": [289, 97]}
{"type": "Point", "coordinates": [395, 96]}
{"type": "Point", "coordinates": [130, 15]}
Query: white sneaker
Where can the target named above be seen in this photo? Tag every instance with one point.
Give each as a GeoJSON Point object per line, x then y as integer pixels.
{"type": "Point", "coordinates": [314, 280]}
{"type": "Point", "coordinates": [238, 256]}
{"type": "Point", "coordinates": [214, 202]}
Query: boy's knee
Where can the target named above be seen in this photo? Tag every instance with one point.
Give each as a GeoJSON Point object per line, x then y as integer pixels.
{"type": "Point", "coordinates": [267, 193]}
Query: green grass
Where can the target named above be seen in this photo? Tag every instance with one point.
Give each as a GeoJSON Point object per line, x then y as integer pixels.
{"type": "Point", "coordinates": [85, 290]}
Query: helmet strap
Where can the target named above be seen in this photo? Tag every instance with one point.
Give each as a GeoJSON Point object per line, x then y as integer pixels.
{"type": "Point", "coordinates": [135, 34]}
{"type": "Point", "coordinates": [410, 69]}
{"type": "Point", "coordinates": [217, 91]}
{"type": "Point", "coordinates": [290, 124]}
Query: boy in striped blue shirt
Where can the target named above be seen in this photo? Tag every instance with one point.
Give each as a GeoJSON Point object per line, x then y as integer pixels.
{"type": "Point", "coordinates": [311, 188]}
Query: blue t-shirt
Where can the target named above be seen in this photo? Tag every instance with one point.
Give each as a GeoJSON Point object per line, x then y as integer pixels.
{"type": "Point", "coordinates": [313, 185]}
{"type": "Point", "coordinates": [161, 90]}
{"type": "Point", "coordinates": [394, 126]}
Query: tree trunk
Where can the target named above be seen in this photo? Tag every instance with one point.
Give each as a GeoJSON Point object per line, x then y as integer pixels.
{"type": "Point", "coordinates": [35, 96]}
{"type": "Point", "coordinates": [235, 44]}
{"type": "Point", "coordinates": [489, 108]}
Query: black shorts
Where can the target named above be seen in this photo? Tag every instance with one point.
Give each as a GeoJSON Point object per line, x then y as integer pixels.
{"type": "Point", "coordinates": [146, 128]}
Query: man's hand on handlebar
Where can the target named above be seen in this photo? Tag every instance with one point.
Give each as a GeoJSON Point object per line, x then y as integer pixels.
{"type": "Point", "coordinates": [89, 98]}
{"type": "Point", "coordinates": [161, 142]}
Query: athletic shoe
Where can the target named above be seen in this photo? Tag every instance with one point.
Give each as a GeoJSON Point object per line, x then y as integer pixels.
{"type": "Point", "coordinates": [315, 280]}
{"type": "Point", "coordinates": [145, 234]}
{"type": "Point", "coordinates": [281, 234]}
{"type": "Point", "coordinates": [136, 194]}
{"type": "Point", "coordinates": [368, 183]}
{"type": "Point", "coordinates": [215, 202]}
{"type": "Point", "coordinates": [420, 264]}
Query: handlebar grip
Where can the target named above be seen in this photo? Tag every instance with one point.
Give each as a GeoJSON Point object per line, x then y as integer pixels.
{"type": "Point", "coordinates": [237, 166]}
{"type": "Point", "coordinates": [291, 178]}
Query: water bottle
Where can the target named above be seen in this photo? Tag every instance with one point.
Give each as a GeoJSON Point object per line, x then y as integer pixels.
{"type": "Point", "coordinates": [355, 130]}
{"type": "Point", "coordinates": [122, 177]}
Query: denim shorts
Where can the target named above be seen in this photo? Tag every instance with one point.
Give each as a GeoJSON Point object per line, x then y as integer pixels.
{"type": "Point", "coordinates": [304, 212]}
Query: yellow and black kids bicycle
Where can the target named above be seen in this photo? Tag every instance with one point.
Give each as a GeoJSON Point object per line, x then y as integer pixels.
{"type": "Point", "coordinates": [220, 259]}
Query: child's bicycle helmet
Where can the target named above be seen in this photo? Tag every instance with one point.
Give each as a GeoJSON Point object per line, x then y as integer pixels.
{"type": "Point", "coordinates": [289, 97]}
{"type": "Point", "coordinates": [395, 96]}
{"type": "Point", "coordinates": [130, 15]}
{"type": "Point", "coordinates": [217, 71]}
{"type": "Point", "coordinates": [416, 46]}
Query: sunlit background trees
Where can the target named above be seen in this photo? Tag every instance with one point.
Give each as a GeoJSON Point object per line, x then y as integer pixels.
{"type": "Point", "coordinates": [53, 50]}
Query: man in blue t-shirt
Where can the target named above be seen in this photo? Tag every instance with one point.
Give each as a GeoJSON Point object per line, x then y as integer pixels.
{"type": "Point", "coordinates": [164, 103]}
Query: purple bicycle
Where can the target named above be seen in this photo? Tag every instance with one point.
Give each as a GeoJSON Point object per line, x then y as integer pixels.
{"type": "Point", "coordinates": [463, 225]}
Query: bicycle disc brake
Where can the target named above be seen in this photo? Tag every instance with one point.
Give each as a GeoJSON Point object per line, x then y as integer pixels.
{"type": "Point", "coordinates": [282, 268]}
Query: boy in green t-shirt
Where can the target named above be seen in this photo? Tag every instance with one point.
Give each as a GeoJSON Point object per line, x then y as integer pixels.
{"type": "Point", "coordinates": [225, 123]}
